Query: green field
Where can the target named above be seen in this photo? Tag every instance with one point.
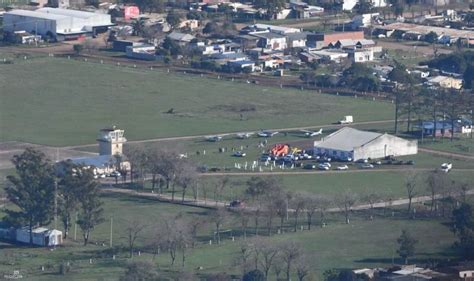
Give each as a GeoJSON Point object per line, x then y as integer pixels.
{"type": "Point", "coordinates": [462, 145]}
{"type": "Point", "coordinates": [362, 244]}
{"type": "Point", "coordinates": [65, 102]}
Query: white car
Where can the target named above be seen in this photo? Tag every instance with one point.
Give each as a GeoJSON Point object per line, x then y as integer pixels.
{"type": "Point", "coordinates": [115, 174]}
{"type": "Point", "coordinates": [367, 166]}
{"type": "Point", "coordinates": [323, 167]}
{"type": "Point", "coordinates": [343, 167]}
{"type": "Point", "coordinates": [446, 167]}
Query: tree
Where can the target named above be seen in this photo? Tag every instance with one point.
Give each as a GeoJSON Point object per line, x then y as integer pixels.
{"type": "Point", "coordinates": [166, 166]}
{"type": "Point", "coordinates": [138, 159]}
{"type": "Point", "coordinates": [267, 252]}
{"type": "Point", "coordinates": [462, 225]}
{"type": "Point", "coordinates": [345, 202]}
{"type": "Point", "coordinates": [211, 27]}
{"type": "Point", "coordinates": [436, 182]}
{"type": "Point", "coordinates": [410, 185]}
{"type": "Point", "coordinates": [32, 190]}
{"type": "Point", "coordinates": [172, 46]}
{"type": "Point", "coordinates": [140, 271]}
{"type": "Point", "coordinates": [290, 252]}
{"type": "Point", "coordinates": [372, 198]}
{"type": "Point", "coordinates": [173, 19]}
{"type": "Point", "coordinates": [272, 7]}
{"type": "Point", "coordinates": [78, 48]}
{"type": "Point", "coordinates": [431, 37]}
{"type": "Point", "coordinates": [254, 275]}
{"type": "Point", "coordinates": [218, 217]}
{"type": "Point", "coordinates": [302, 267]}
{"type": "Point", "coordinates": [406, 245]}
{"type": "Point", "coordinates": [186, 176]}
{"type": "Point", "coordinates": [69, 182]}
{"type": "Point", "coordinates": [91, 212]}
{"type": "Point", "coordinates": [133, 229]}
{"type": "Point", "coordinates": [298, 205]}
{"type": "Point", "coordinates": [175, 235]}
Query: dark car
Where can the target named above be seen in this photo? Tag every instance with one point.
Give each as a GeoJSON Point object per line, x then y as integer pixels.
{"type": "Point", "coordinates": [236, 204]}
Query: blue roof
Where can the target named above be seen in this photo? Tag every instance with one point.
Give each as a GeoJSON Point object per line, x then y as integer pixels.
{"type": "Point", "coordinates": [96, 161]}
{"type": "Point", "coordinates": [446, 124]}
{"type": "Point", "coordinates": [242, 62]}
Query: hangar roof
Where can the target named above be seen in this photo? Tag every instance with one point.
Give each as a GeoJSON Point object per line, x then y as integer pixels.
{"type": "Point", "coordinates": [346, 139]}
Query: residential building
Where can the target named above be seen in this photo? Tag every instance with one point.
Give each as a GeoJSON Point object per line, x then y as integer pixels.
{"type": "Point", "coordinates": [142, 52]}
{"type": "Point", "coordinates": [355, 144]}
{"type": "Point", "coordinates": [182, 39]}
{"type": "Point", "coordinates": [445, 128]}
{"type": "Point", "coordinates": [296, 40]}
{"type": "Point", "coordinates": [331, 55]}
{"type": "Point", "coordinates": [361, 55]}
{"type": "Point", "coordinates": [446, 82]}
{"type": "Point", "coordinates": [321, 40]}
{"type": "Point", "coordinates": [270, 40]}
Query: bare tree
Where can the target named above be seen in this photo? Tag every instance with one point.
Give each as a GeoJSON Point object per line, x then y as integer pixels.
{"type": "Point", "coordinates": [218, 217]}
{"type": "Point", "coordinates": [298, 205]}
{"type": "Point", "coordinates": [175, 237]}
{"type": "Point", "coordinates": [267, 252]}
{"type": "Point", "coordinates": [186, 176]}
{"type": "Point", "coordinates": [311, 207]}
{"type": "Point", "coordinates": [138, 159]}
{"type": "Point", "coordinates": [244, 218]}
{"type": "Point", "coordinates": [219, 187]}
{"type": "Point", "coordinates": [277, 266]}
{"type": "Point", "coordinates": [410, 185]}
{"type": "Point", "coordinates": [345, 202]}
{"type": "Point", "coordinates": [271, 205]}
{"type": "Point", "coordinates": [133, 229]}
{"type": "Point", "coordinates": [435, 184]}
{"type": "Point", "coordinates": [302, 267]}
{"type": "Point", "coordinates": [257, 187]}
{"type": "Point", "coordinates": [281, 209]}
{"type": "Point", "coordinates": [324, 204]}
{"type": "Point", "coordinates": [166, 166]}
{"type": "Point", "coordinates": [290, 252]}
{"type": "Point", "coordinates": [372, 198]}
{"type": "Point", "coordinates": [245, 253]}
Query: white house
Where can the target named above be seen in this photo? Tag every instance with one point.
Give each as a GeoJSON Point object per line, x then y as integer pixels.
{"type": "Point", "coordinates": [270, 40]}
{"type": "Point", "coordinates": [355, 144]}
{"type": "Point", "coordinates": [362, 55]}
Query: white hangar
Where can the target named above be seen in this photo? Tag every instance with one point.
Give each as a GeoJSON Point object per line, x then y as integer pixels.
{"type": "Point", "coordinates": [355, 144]}
{"type": "Point", "coordinates": [60, 24]}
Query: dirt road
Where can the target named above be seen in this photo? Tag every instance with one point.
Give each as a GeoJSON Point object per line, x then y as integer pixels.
{"type": "Point", "coordinates": [445, 153]}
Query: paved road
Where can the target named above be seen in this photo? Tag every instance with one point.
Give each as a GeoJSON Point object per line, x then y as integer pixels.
{"type": "Point", "coordinates": [221, 204]}
{"type": "Point", "coordinates": [235, 132]}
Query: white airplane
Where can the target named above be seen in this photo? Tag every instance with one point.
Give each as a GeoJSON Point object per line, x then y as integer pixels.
{"type": "Point", "coordinates": [266, 134]}
{"type": "Point", "coordinates": [213, 138]}
{"type": "Point", "coordinates": [244, 135]}
{"type": "Point", "coordinates": [310, 134]}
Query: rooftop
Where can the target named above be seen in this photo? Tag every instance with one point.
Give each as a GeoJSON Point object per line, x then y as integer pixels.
{"type": "Point", "coordinates": [68, 12]}
{"type": "Point", "coordinates": [424, 29]}
{"type": "Point", "coordinates": [346, 139]}
{"type": "Point", "coordinates": [35, 14]}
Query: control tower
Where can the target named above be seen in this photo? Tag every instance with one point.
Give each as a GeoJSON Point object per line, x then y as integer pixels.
{"type": "Point", "coordinates": [111, 141]}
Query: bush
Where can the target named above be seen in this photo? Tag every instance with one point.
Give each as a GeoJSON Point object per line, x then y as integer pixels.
{"type": "Point", "coordinates": [77, 48]}
{"type": "Point", "coordinates": [254, 275]}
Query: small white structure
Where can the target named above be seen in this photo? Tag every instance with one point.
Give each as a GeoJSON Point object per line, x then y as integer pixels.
{"type": "Point", "coordinates": [349, 143]}
{"type": "Point", "coordinates": [41, 236]}
{"type": "Point", "coordinates": [362, 55]}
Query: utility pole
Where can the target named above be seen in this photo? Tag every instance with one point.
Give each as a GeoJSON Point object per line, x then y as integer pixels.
{"type": "Point", "coordinates": [56, 194]}
{"type": "Point", "coordinates": [36, 33]}
{"type": "Point", "coordinates": [75, 228]}
{"type": "Point", "coordinates": [111, 229]}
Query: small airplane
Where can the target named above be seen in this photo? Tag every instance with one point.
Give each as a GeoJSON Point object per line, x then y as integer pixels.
{"type": "Point", "coordinates": [213, 138]}
{"type": "Point", "coordinates": [266, 134]}
{"type": "Point", "coordinates": [244, 135]}
{"type": "Point", "coordinates": [310, 134]}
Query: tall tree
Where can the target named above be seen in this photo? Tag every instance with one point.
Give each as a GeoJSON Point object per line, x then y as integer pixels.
{"type": "Point", "coordinates": [410, 185]}
{"type": "Point", "coordinates": [268, 252]}
{"type": "Point", "coordinates": [345, 202]}
{"type": "Point", "coordinates": [32, 190]}
{"type": "Point", "coordinates": [69, 182]}
{"type": "Point", "coordinates": [406, 245]}
{"type": "Point", "coordinates": [90, 211]}
{"type": "Point", "coordinates": [290, 253]}
{"type": "Point", "coordinates": [186, 176]}
{"type": "Point", "coordinates": [219, 216]}
{"type": "Point", "coordinates": [462, 225]}
{"type": "Point", "coordinates": [298, 205]}
{"type": "Point", "coordinates": [133, 230]}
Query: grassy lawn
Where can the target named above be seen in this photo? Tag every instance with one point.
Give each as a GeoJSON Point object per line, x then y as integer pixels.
{"type": "Point", "coordinates": [362, 244]}
{"type": "Point", "coordinates": [69, 101]}
{"type": "Point", "coordinates": [462, 145]}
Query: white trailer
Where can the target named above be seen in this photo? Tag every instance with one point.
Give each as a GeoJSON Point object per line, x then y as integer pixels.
{"type": "Point", "coordinates": [348, 119]}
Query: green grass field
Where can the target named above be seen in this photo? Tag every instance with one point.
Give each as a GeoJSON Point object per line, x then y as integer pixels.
{"type": "Point", "coordinates": [461, 146]}
{"type": "Point", "coordinates": [362, 244]}
{"type": "Point", "coordinates": [62, 102]}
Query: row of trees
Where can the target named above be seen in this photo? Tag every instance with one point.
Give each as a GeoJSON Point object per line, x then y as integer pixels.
{"type": "Point", "coordinates": [42, 191]}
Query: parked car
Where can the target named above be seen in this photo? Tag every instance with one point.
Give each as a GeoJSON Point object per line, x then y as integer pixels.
{"type": "Point", "coordinates": [239, 154]}
{"type": "Point", "coordinates": [410, 162]}
{"type": "Point", "coordinates": [446, 167]}
{"type": "Point", "coordinates": [265, 158]}
{"type": "Point", "coordinates": [310, 166]}
{"type": "Point", "coordinates": [236, 204]}
{"type": "Point", "coordinates": [342, 167]}
{"type": "Point", "coordinates": [367, 166]}
{"type": "Point", "coordinates": [115, 174]}
{"type": "Point", "coordinates": [377, 163]}
{"type": "Point", "coordinates": [323, 167]}
{"type": "Point", "coordinates": [362, 161]}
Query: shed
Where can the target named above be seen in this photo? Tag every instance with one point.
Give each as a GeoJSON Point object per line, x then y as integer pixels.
{"type": "Point", "coordinates": [41, 236]}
